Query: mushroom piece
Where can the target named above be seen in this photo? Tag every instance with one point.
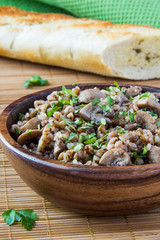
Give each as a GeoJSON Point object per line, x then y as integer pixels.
{"type": "Point", "coordinates": [131, 126]}
{"type": "Point", "coordinates": [28, 136]}
{"type": "Point", "coordinates": [121, 98]}
{"type": "Point", "coordinates": [115, 157]}
{"type": "Point", "coordinates": [94, 113]}
{"type": "Point", "coordinates": [146, 120]}
{"type": "Point", "coordinates": [154, 154]}
{"type": "Point", "coordinates": [156, 94]}
{"type": "Point", "coordinates": [133, 91]}
{"type": "Point", "coordinates": [59, 146]}
{"type": "Point", "coordinates": [31, 124]}
{"type": "Point", "coordinates": [45, 140]}
{"type": "Point", "coordinates": [149, 103]}
{"type": "Point", "coordinates": [89, 95]}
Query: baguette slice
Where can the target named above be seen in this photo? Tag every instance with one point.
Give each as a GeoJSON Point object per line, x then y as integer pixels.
{"type": "Point", "coordinates": [126, 51]}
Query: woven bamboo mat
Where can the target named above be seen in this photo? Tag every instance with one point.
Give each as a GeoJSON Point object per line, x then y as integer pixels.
{"type": "Point", "coordinates": [54, 222]}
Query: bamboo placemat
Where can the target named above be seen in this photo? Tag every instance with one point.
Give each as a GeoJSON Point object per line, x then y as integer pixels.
{"type": "Point", "coordinates": [54, 222]}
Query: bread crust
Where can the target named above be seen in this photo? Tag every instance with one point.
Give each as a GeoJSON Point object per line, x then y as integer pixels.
{"type": "Point", "coordinates": [81, 44]}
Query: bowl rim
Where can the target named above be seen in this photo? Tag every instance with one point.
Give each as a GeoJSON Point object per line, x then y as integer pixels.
{"type": "Point", "coordinates": [6, 139]}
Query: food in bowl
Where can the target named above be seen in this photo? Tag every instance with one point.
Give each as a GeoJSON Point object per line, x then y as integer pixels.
{"type": "Point", "coordinates": [100, 127]}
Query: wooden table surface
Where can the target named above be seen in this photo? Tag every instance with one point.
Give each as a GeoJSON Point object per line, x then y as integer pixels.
{"type": "Point", "coordinates": [55, 222]}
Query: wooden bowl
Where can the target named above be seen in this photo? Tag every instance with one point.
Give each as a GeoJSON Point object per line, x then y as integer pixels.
{"type": "Point", "coordinates": [85, 189]}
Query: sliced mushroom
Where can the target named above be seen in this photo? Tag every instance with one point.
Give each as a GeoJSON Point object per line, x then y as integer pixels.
{"type": "Point", "coordinates": [149, 103]}
{"type": "Point", "coordinates": [146, 120]}
{"type": "Point", "coordinates": [133, 91]}
{"type": "Point", "coordinates": [29, 136]}
{"type": "Point", "coordinates": [121, 98]}
{"type": "Point", "coordinates": [115, 157]}
{"type": "Point", "coordinates": [131, 126]}
{"type": "Point", "coordinates": [45, 140]}
{"type": "Point", "coordinates": [94, 113]}
{"type": "Point", "coordinates": [59, 146]}
{"type": "Point", "coordinates": [154, 154]}
{"type": "Point", "coordinates": [89, 95]}
{"type": "Point", "coordinates": [31, 124]}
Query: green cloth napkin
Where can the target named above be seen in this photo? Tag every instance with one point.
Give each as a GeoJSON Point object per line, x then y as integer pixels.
{"type": "Point", "coordinates": [142, 12]}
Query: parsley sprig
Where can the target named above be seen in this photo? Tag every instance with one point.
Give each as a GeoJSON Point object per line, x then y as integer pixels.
{"type": "Point", "coordinates": [27, 217]}
{"type": "Point", "coordinates": [35, 81]}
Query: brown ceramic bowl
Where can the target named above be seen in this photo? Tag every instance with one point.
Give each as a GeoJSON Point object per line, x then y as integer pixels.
{"type": "Point", "coordinates": [85, 189]}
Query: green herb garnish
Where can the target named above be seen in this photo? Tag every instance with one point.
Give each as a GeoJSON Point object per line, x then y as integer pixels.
{"type": "Point", "coordinates": [79, 121]}
{"type": "Point", "coordinates": [49, 125]}
{"type": "Point", "coordinates": [17, 130]}
{"type": "Point", "coordinates": [54, 109]}
{"type": "Point", "coordinates": [108, 89]}
{"type": "Point", "coordinates": [68, 123]}
{"type": "Point", "coordinates": [87, 125]}
{"type": "Point", "coordinates": [70, 94]}
{"type": "Point", "coordinates": [153, 114]}
{"type": "Point", "coordinates": [105, 108]}
{"type": "Point", "coordinates": [29, 132]}
{"type": "Point", "coordinates": [35, 81]}
{"type": "Point", "coordinates": [77, 147]}
{"type": "Point", "coordinates": [72, 135]}
{"type": "Point", "coordinates": [131, 116]}
{"type": "Point", "coordinates": [103, 121]}
{"type": "Point", "coordinates": [158, 123]}
{"type": "Point", "coordinates": [21, 115]}
{"type": "Point", "coordinates": [109, 101]}
{"type": "Point", "coordinates": [117, 85]}
{"type": "Point", "coordinates": [63, 101]}
{"type": "Point", "coordinates": [121, 131]}
{"type": "Point", "coordinates": [27, 217]}
{"type": "Point", "coordinates": [146, 94]}
{"type": "Point", "coordinates": [96, 100]}
{"type": "Point", "coordinates": [90, 141]}
{"type": "Point", "coordinates": [142, 153]}
{"type": "Point", "coordinates": [86, 137]}
{"type": "Point", "coordinates": [123, 113]}
{"type": "Point", "coordinates": [131, 98]}
{"type": "Point", "coordinates": [39, 127]}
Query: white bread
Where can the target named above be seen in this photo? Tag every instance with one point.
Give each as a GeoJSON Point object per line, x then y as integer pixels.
{"type": "Point", "coordinates": [126, 51]}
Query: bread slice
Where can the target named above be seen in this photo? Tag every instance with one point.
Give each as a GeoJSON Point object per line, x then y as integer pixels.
{"type": "Point", "coordinates": [126, 51]}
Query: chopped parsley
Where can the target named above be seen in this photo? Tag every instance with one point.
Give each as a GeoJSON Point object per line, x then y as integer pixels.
{"type": "Point", "coordinates": [68, 123]}
{"type": "Point", "coordinates": [121, 131]}
{"type": "Point", "coordinates": [54, 109]}
{"type": "Point", "coordinates": [79, 121]}
{"type": "Point", "coordinates": [72, 135]}
{"type": "Point", "coordinates": [105, 108]}
{"type": "Point", "coordinates": [146, 94]}
{"type": "Point", "coordinates": [131, 116]}
{"type": "Point", "coordinates": [17, 130]}
{"type": "Point", "coordinates": [96, 100]}
{"type": "Point", "coordinates": [158, 123]}
{"type": "Point", "coordinates": [117, 85]}
{"type": "Point", "coordinates": [63, 101]}
{"type": "Point", "coordinates": [77, 147]}
{"type": "Point", "coordinates": [39, 127]}
{"type": "Point", "coordinates": [29, 132]}
{"type": "Point", "coordinates": [109, 101]}
{"type": "Point", "coordinates": [103, 121]}
{"type": "Point", "coordinates": [35, 81]}
{"type": "Point", "coordinates": [21, 115]}
{"type": "Point", "coordinates": [143, 153]}
{"type": "Point", "coordinates": [69, 93]}
{"type": "Point", "coordinates": [153, 114]}
{"type": "Point", "coordinates": [83, 138]}
{"type": "Point", "coordinates": [123, 113]}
